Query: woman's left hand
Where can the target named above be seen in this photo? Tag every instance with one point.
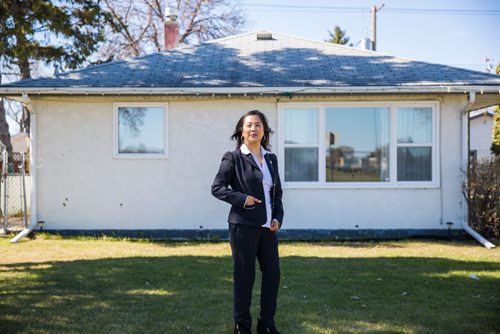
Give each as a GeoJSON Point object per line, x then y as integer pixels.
{"type": "Point", "coordinates": [275, 226]}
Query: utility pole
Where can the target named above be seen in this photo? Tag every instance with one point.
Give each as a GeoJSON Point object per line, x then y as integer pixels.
{"type": "Point", "coordinates": [375, 9]}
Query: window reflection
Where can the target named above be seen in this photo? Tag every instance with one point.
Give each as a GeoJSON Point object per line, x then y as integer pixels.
{"type": "Point", "coordinates": [302, 147]}
{"type": "Point", "coordinates": [357, 141]}
{"type": "Point", "coordinates": [414, 157]}
{"type": "Point", "coordinates": [414, 164]}
{"type": "Point", "coordinates": [141, 130]}
{"type": "Point", "coordinates": [301, 164]}
{"type": "Point", "coordinates": [357, 144]}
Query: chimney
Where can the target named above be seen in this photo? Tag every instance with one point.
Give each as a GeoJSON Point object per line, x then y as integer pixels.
{"type": "Point", "coordinates": [171, 28]}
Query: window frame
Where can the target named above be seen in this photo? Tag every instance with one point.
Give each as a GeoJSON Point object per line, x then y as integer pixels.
{"type": "Point", "coordinates": [116, 154]}
{"type": "Point", "coordinates": [392, 106]}
{"type": "Point", "coordinates": [313, 145]}
{"type": "Point", "coordinates": [415, 145]}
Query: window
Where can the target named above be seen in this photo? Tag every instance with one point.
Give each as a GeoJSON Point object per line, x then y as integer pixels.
{"type": "Point", "coordinates": [360, 144]}
{"type": "Point", "coordinates": [140, 130]}
{"type": "Point", "coordinates": [302, 145]}
{"type": "Point", "coordinates": [414, 144]}
{"type": "Point", "coordinates": [357, 148]}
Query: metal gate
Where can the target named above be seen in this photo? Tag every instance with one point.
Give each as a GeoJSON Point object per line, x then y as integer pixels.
{"type": "Point", "coordinates": [14, 212]}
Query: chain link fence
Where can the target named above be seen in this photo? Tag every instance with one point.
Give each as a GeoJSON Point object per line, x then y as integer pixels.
{"type": "Point", "coordinates": [14, 199]}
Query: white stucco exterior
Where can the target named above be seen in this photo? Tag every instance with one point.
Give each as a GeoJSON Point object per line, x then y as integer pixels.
{"type": "Point", "coordinates": [80, 185]}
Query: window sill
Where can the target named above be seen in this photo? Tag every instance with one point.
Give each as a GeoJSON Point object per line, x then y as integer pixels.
{"type": "Point", "coordinates": [137, 156]}
{"type": "Point", "coordinates": [399, 185]}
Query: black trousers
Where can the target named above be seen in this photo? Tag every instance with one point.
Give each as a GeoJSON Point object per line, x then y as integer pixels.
{"type": "Point", "coordinates": [249, 243]}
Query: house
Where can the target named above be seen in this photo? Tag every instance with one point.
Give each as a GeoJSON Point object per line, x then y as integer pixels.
{"type": "Point", "coordinates": [369, 145]}
{"type": "Point", "coordinates": [481, 133]}
{"type": "Point", "coordinates": [20, 142]}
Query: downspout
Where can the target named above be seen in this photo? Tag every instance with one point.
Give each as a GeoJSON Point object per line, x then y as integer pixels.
{"type": "Point", "coordinates": [33, 171]}
{"type": "Point", "coordinates": [3, 230]}
{"type": "Point", "coordinates": [465, 161]}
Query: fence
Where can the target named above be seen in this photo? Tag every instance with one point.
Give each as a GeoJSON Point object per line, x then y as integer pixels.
{"type": "Point", "coordinates": [14, 191]}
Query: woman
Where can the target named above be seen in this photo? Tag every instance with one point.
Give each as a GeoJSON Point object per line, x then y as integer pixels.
{"type": "Point", "coordinates": [248, 180]}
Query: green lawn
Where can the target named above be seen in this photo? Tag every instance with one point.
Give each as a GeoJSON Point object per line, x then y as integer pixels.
{"type": "Point", "coordinates": [53, 285]}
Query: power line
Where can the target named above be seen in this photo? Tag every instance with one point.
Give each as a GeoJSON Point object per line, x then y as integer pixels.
{"type": "Point", "coordinates": [445, 11]}
{"type": "Point", "coordinates": [302, 8]}
{"type": "Point", "coordinates": [294, 8]}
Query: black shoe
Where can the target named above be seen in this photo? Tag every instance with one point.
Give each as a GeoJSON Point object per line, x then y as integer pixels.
{"type": "Point", "coordinates": [241, 329]}
{"type": "Point", "coordinates": [261, 329]}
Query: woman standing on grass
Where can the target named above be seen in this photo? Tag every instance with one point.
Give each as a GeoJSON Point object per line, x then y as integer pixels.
{"type": "Point", "coordinates": [248, 180]}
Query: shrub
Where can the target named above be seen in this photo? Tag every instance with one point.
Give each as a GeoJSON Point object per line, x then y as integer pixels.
{"type": "Point", "coordinates": [483, 197]}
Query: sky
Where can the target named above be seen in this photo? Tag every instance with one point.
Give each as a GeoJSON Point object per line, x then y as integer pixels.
{"type": "Point", "coordinates": [457, 33]}
{"type": "Point", "coordinates": [460, 33]}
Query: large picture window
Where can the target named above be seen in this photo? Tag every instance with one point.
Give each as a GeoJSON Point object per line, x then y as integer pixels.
{"type": "Point", "coordinates": [359, 144]}
{"type": "Point", "coordinates": [357, 148]}
{"type": "Point", "coordinates": [140, 130]}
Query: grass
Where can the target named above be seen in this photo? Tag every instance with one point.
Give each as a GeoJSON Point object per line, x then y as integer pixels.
{"type": "Point", "coordinates": [50, 285]}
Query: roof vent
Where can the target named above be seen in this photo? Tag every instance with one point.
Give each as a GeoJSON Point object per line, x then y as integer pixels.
{"type": "Point", "coordinates": [264, 36]}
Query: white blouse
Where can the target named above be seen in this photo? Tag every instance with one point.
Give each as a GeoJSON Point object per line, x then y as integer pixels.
{"type": "Point", "coordinates": [267, 181]}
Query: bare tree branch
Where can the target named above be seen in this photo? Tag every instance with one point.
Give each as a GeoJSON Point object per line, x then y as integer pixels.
{"type": "Point", "coordinates": [119, 22]}
{"type": "Point", "coordinates": [142, 23]}
{"type": "Point", "coordinates": [190, 27]}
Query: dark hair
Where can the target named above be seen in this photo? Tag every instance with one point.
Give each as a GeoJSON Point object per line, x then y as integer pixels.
{"type": "Point", "coordinates": [238, 130]}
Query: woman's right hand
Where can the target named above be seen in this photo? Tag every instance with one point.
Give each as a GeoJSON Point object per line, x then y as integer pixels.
{"type": "Point", "coordinates": [250, 201]}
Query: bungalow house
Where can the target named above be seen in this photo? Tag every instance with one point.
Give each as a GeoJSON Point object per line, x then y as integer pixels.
{"type": "Point", "coordinates": [368, 144]}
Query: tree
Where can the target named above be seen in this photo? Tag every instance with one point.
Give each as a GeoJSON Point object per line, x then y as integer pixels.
{"type": "Point", "coordinates": [62, 33]}
{"type": "Point", "coordinates": [14, 112]}
{"type": "Point", "coordinates": [139, 24]}
{"type": "Point", "coordinates": [495, 145]}
{"type": "Point", "coordinates": [4, 126]}
{"type": "Point", "coordinates": [338, 36]}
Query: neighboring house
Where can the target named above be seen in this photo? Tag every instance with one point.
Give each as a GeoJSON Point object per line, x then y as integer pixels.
{"type": "Point", "coordinates": [20, 142]}
{"type": "Point", "coordinates": [367, 143]}
{"type": "Point", "coordinates": [481, 134]}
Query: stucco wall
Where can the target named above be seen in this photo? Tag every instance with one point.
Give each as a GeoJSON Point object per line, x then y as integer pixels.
{"type": "Point", "coordinates": [453, 157]}
{"type": "Point", "coordinates": [391, 208]}
{"type": "Point", "coordinates": [81, 186]}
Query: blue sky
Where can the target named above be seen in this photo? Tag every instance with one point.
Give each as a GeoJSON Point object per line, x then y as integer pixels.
{"type": "Point", "coordinates": [461, 40]}
{"type": "Point", "coordinates": [404, 28]}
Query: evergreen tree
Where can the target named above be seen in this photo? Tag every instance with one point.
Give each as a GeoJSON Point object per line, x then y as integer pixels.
{"type": "Point", "coordinates": [63, 33]}
{"type": "Point", "coordinates": [4, 126]}
{"type": "Point", "coordinates": [338, 36]}
{"type": "Point", "coordinates": [495, 145]}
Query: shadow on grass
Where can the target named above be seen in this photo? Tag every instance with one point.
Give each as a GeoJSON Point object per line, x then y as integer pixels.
{"type": "Point", "coordinates": [192, 294]}
{"type": "Point", "coordinates": [385, 243]}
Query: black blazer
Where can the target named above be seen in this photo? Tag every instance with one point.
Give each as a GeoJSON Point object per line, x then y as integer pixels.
{"type": "Point", "coordinates": [240, 176]}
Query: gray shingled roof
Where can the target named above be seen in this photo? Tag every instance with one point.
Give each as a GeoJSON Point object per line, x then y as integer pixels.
{"type": "Point", "coordinates": [242, 61]}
